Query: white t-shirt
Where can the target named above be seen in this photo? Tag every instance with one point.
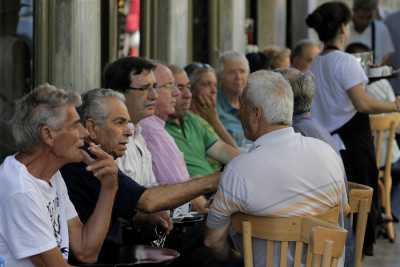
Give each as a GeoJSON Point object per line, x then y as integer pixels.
{"type": "Point", "coordinates": [335, 73]}
{"type": "Point", "coordinates": [34, 214]}
{"type": "Point", "coordinates": [383, 41]}
{"type": "Point", "coordinates": [137, 161]}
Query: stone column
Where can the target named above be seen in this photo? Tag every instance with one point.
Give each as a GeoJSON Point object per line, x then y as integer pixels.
{"type": "Point", "coordinates": [172, 31]}
{"type": "Point", "coordinates": [227, 27]}
{"type": "Point", "coordinates": [271, 25]}
{"type": "Point", "coordinates": [74, 44]}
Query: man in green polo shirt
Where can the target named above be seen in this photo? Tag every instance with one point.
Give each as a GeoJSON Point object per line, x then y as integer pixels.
{"type": "Point", "coordinates": [203, 151]}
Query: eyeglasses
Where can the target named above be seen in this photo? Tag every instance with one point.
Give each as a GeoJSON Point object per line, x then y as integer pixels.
{"type": "Point", "coordinates": [148, 87]}
{"type": "Point", "coordinates": [182, 87]}
{"type": "Point", "coordinates": [170, 86]}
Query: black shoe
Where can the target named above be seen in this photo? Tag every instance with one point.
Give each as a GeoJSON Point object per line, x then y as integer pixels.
{"type": "Point", "coordinates": [369, 250]}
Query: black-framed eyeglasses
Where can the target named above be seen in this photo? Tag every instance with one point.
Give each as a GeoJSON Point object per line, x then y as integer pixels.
{"type": "Point", "coordinates": [147, 87]}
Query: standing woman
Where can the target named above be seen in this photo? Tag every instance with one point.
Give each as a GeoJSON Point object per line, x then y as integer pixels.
{"type": "Point", "coordinates": [341, 104]}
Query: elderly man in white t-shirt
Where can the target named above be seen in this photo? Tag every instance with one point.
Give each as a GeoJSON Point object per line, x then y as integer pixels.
{"type": "Point", "coordinates": [284, 174]}
{"type": "Point", "coordinates": [38, 223]}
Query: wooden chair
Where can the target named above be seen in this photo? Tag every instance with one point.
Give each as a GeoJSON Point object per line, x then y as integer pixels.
{"type": "Point", "coordinates": [325, 240]}
{"type": "Point", "coordinates": [360, 199]}
{"type": "Point", "coordinates": [384, 126]}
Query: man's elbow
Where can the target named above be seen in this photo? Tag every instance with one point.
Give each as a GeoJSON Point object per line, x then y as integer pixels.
{"type": "Point", "coordinates": [86, 257]}
{"type": "Point", "coordinates": [148, 204]}
{"type": "Point", "coordinates": [363, 107]}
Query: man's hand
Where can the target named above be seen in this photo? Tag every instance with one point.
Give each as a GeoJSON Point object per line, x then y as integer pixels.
{"type": "Point", "coordinates": [206, 107]}
{"type": "Point", "coordinates": [103, 167]}
{"type": "Point", "coordinates": [161, 218]}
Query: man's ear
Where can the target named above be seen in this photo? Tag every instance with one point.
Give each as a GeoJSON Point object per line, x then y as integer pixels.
{"type": "Point", "coordinates": [91, 127]}
{"type": "Point", "coordinates": [258, 112]}
{"type": "Point", "coordinates": [47, 135]}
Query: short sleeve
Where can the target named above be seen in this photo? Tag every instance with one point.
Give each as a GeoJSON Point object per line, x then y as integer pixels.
{"type": "Point", "coordinates": [69, 208]}
{"type": "Point", "coordinates": [209, 136]}
{"type": "Point", "coordinates": [350, 73]}
{"type": "Point", "coordinates": [230, 198]}
{"type": "Point", "coordinates": [128, 195]}
{"type": "Point", "coordinates": [26, 226]}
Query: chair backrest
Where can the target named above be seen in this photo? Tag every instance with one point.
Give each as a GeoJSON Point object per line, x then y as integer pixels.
{"type": "Point", "coordinates": [360, 199]}
{"type": "Point", "coordinates": [381, 124]}
{"type": "Point", "coordinates": [324, 241]}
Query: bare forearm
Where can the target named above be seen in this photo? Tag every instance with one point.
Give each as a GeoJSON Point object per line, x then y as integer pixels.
{"type": "Point", "coordinates": [96, 228]}
{"type": "Point", "coordinates": [222, 132]}
{"type": "Point", "coordinates": [171, 196]}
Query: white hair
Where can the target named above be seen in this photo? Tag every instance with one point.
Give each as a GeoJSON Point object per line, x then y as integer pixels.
{"type": "Point", "coordinates": [93, 105]}
{"type": "Point", "coordinates": [231, 55]}
{"type": "Point", "coordinates": [303, 87]}
{"type": "Point", "coordinates": [45, 105]}
{"type": "Point", "coordinates": [273, 94]}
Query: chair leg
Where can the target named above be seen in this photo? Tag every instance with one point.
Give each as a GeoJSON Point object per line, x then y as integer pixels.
{"type": "Point", "coordinates": [388, 209]}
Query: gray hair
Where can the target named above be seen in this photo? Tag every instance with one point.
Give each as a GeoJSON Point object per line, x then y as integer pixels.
{"type": "Point", "coordinates": [300, 45]}
{"type": "Point", "coordinates": [303, 87]}
{"type": "Point", "coordinates": [195, 75]}
{"type": "Point", "coordinates": [93, 106]}
{"type": "Point", "coordinates": [231, 55]}
{"type": "Point", "coordinates": [45, 105]}
{"type": "Point", "coordinates": [272, 93]}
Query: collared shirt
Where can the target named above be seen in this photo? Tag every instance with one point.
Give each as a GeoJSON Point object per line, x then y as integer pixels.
{"type": "Point", "coordinates": [307, 126]}
{"type": "Point", "coordinates": [137, 161]}
{"type": "Point", "coordinates": [285, 174]}
{"type": "Point", "coordinates": [229, 117]}
{"type": "Point", "coordinates": [168, 162]}
{"type": "Point", "coordinates": [194, 137]}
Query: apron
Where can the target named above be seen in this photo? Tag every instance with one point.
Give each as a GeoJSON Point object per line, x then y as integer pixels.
{"type": "Point", "coordinates": [360, 163]}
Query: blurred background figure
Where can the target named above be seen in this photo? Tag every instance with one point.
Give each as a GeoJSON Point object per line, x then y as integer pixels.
{"type": "Point", "coordinates": [279, 57]}
{"type": "Point", "coordinates": [258, 61]}
{"type": "Point", "coordinates": [365, 29]}
{"type": "Point", "coordinates": [304, 53]}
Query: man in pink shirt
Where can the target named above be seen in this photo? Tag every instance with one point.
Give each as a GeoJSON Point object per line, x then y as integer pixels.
{"type": "Point", "coordinates": [168, 162]}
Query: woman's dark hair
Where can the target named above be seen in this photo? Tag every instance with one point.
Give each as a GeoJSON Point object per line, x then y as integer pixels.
{"type": "Point", "coordinates": [327, 19]}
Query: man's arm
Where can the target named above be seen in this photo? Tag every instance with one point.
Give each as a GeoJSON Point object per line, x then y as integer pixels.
{"type": "Point", "coordinates": [86, 240]}
{"type": "Point", "coordinates": [217, 241]}
{"type": "Point", "coordinates": [206, 108]}
{"type": "Point", "coordinates": [49, 258]}
{"type": "Point", "coordinates": [170, 196]}
{"type": "Point", "coordinates": [222, 152]}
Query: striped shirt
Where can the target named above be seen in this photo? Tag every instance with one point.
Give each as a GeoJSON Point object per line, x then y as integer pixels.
{"type": "Point", "coordinates": [168, 162]}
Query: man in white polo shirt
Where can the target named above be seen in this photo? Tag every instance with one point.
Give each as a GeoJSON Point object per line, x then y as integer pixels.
{"type": "Point", "coordinates": [284, 174]}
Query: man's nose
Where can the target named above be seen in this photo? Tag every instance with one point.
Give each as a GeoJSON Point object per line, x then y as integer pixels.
{"type": "Point", "coordinates": [152, 94]}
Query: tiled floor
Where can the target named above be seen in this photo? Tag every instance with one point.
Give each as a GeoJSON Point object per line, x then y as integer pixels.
{"type": "Point", "coordinates": [386, 254]}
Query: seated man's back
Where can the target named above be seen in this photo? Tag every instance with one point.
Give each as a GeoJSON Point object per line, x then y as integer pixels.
{"type": "Point", "coordinates": [285, 175]}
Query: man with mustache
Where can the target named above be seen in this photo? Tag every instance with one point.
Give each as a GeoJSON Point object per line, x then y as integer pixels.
{"type": "Point", "coordinates": [106, 118]}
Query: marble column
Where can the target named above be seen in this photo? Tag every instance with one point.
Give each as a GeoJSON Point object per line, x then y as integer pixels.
{"type": "Point", "coordinates": [271, 25]}
{"type": "Point", "coordinates": [72, 44]}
